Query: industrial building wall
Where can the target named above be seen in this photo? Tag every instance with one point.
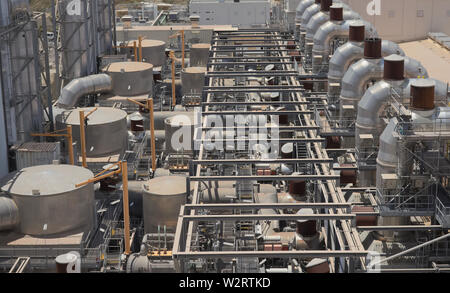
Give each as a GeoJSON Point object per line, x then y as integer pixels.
{"type": "Point", "coordinates": [243, 14]}
{"type": "Point", "coordinates": [406, 20]}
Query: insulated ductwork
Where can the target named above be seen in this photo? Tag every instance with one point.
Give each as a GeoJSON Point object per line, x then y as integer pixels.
{"type": "Point", "coordinates": [372, 105]}
{"type": "Point", "coordinates": [9, 214]}
{"type": "Point", "coordinates": [367, 71]}
{"type": "Point", "coordinates": [390, 154]}
{"type": "Point", "coordinates": [309, 12]}
{"type": "Point", "coordinates": [301, 7]}
{"type": "Point", "coordinates": [326, 33]}
{"type": "Point", "coordinates": [351, 52]}
{"type": "Point", "coordinates": [80, 87]}
{"type": "Point", "coordinates": [322, 17]}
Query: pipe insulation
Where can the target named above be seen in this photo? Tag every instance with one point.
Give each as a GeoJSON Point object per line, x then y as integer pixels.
{"type": "Point", "coordinates": [9, 213]}
{"type": "Point", "coordinates": [77, 88]}
{"type": "Point", "coordinates": [350, 52]}
{"type": "Point", "coordinates": [369, 118]}
{"type": "Point", "coordinates": [331, 30]}
{"type": "Point", "coordinates": [360, 74]}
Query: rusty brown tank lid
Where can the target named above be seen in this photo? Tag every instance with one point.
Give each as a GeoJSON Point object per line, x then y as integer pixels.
{"type": "Point", "coordinates": [337, 12]}
{"type": "Point", "coordinates": [422, 94]}
{"type": "Point", "coordinates": [306, 228]}
{"type": "Point", "coordinates": [356, 31]}
{"type": "Point", "coordinates": [372, 48]}
{"type": "Point", "coordinates": [325, 5]}
{"type": "Point", "coordinates": [394, 67]}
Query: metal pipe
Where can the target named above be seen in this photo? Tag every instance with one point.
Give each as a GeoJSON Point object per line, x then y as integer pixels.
{"type": "Point", "coordinates": [372, 264]}
{"type": "Point", "coordinates": [80, 87]}
{"type": "Point", "coordinates": [9, 213]}
{"type": "Point", "coordinates": [126, 207]}
{"type": "Point", "coordinates": [152, 132]}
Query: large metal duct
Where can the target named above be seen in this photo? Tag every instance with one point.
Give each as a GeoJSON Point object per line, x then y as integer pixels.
{"type": "Point", "coordinates": [301, 7]}
{"type": "Point", "coordinates": [321, 18]}
{"type": "Point", "coordinates": [80, 87]}
{"type": "Point", "coordinates": [351, 52]}
{"type": "Point", "coordinates": [369, 119]}
{"type": "Point", "coordinates": [367, 71]}
{"type": "Point", "coordinates": [9, 213]}
{"type": "Point", "coordinates": [329, 31]}
{"type": "Point", "coordinates": [309, 12]}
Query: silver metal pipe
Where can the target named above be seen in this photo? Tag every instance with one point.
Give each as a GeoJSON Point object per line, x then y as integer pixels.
{"type": "Point", "coordinates": [9, 213]}
{"type": "Point", "coordinates": [350, 52]}
{"type": "Point", "coordinates": [372, 264]}
{"type": "Point", "coordinates": [79, 87]}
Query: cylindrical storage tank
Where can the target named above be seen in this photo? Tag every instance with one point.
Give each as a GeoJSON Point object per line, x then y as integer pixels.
{"type": "Point", "coordinates": [372, 48]}
{"type": "Point", "coordinates": [363, 220]}
{"type": "Point", "coordinates": [356, 32]}
{"type": "Point", "coordinates": [136, 122]}
{"type": "Point", "coordinates": [153, 52]}
{"type": "Point", "coordinates": [68, 263]}
{"type": "Point", "coordinates": [48, 201]}
{"type": "Point", "coordinates": [105, 131]}
{"type": "Point", "coordinates": [306, 228]}
{"type": "Point", "coordinates": [179, 134]}
{"type": "Point", "coordinates": [333, 142]}
{"type": "Point", "coordinates": [199, 55]}
{"type": "Point", "coordinates": [287, 150]}
{"type": "Point", "coordinates": [318, 266]}
{"type": "Point", "coordinates": [193, 80]}
{"type": "Point", "coordinates": [162, 198]}
{"type": "Point", "coordinates": [297, 188]}
{"type": "Point", "coordinates": [131, 78]}
{"type": "Point", "coordinates": [394, 67]}
{"type": "Point", "coordinates": [325, 5]}
{"type": "Point", "coordinates": [422, 94]}
{"type": "Point", "coordinates": [336, 13]}
{"type": "Point", "coordinates": [348, 176]}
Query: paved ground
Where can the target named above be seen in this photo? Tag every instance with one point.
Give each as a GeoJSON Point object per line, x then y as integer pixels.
{"type": "Point", "coordinates": [433, 56]}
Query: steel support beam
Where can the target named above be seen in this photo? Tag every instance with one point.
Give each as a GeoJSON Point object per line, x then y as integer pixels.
{"type": "Point", "coordinates": [265, 178]}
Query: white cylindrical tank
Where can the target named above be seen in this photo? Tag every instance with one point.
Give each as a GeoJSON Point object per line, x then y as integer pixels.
{"type": "Point", "coordinates": [193, 80]}
{"type": "Point", "coordinates": [106, 130]}
{"type": "Point", "coordinates": [48, 201]}
{"type": "Point", "coordinates": [154, 52]}
{"type": "Point", "coordinates": [179, 134]}
{"type": "Point", "coordinates": [131, 78]}
{"type": "Point", "coordinates": [199, 55]}
{"type": "Point", "coordinates": [162, 199]}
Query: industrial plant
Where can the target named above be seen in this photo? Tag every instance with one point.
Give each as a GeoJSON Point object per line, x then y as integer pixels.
{"type": "Point", "coordinates": [225, 136]}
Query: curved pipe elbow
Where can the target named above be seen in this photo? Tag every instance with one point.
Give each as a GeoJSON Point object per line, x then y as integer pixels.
{"type": "Point", "coordinates": [301, 7]}
{"type": "Point", "coordinates": [330, 29]}
{"type": "Point", "coordinates": [357, 77]}
{"type": "Point", "coordinates": [9, 214]}
{"type": "Point", "coordinates": [80, 87]}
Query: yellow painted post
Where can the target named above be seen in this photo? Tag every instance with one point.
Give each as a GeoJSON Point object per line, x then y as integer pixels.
{"type": "Point", "coordinates": [152, 132]}
{"type": "Point", "coordinates": [140, 49]}
{"type": "Point", "coordinates": [174, 100]}
{"type": "Point", "coordinates": [126, 207]}
{"type": "Point", "coordinates": [70, 144]}
{"type": "Point", "coordinates": [182, 49]}
{"type": "Point", "coordinates": [83, 139]}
